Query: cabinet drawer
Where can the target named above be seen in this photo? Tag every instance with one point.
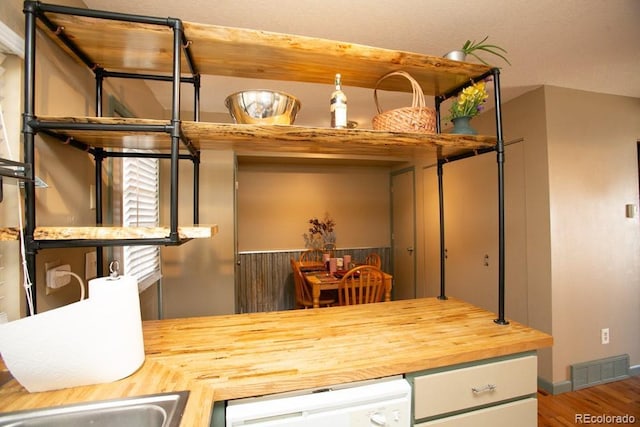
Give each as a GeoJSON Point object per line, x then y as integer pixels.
{"type": "Point", "coordinates": [463, 388]}
{"type": "Point", "coordinates": [522, 413]}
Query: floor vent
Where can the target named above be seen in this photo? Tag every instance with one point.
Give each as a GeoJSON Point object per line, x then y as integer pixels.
{"type": "Point", "coordinates": [600, 371]}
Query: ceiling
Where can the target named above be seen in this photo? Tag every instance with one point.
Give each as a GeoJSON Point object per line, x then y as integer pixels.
{"type": "Point", "coordinates": [590, 45]}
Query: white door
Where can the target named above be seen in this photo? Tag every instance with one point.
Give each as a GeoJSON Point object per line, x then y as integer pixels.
{"type": "Point", "coordinates": [403, 234]}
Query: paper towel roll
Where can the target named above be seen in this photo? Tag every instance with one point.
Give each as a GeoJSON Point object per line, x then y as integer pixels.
{"type": "Point", "coordinates": [93, 341]}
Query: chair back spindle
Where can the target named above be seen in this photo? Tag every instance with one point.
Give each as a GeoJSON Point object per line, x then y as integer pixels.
{"type": "Point", "coordinates": [362, 285]}
{"type": "Point", "coordinates": [312, 255]}
{"type": "Point", "coordinates": [373, 259]}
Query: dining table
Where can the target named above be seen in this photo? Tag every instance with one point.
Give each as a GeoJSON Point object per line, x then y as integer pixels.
{"type": "Point", "coordinates": [322, 280]}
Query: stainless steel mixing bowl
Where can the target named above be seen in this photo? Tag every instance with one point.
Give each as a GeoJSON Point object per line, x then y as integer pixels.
{"type": "Point", "coordinates": [262, 107]}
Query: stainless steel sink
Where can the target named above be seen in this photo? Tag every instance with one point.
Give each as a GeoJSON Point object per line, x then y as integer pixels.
{"type": "Point", "coordinates": [156, 410]}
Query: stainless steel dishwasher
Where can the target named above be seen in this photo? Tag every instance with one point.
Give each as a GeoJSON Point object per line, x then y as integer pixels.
{"type": "Point", "coordinates": [383, 402]}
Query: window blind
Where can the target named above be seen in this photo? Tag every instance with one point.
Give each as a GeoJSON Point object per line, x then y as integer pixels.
{"type": "Point", "coordinates": [140, 208]}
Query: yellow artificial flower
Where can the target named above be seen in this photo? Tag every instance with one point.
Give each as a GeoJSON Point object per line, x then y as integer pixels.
{"type": "Point", "coordinates": [469, 100]}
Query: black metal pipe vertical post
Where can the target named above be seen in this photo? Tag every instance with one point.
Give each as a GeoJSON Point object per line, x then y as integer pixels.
{"type": "Point", "coordinates": [500, 159]}
{"type": "Point", "coordinates": [196, 98]}
{"type": "Point", "coordinates": [438, 102]}
{"type": "Point", "coordinates": [196, 190]}
{"type": "Point", "coordinates": [99, 160]}
{"type": "Point", "coordinates": [29, 145]}
{"type": "Point", "coordinates": [196, 160]}
{"type": "Point", "coordinates": [175, 131]}
{"type": "Point", "coordinates": [442, 295]}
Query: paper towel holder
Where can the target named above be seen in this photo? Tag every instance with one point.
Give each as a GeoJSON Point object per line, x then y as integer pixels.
{"type": "Point", "coordinates": [113, 270]}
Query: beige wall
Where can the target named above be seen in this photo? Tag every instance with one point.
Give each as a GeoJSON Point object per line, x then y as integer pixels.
{"type": "Point", "coordinates": [199, 275]}
{"type": "Point", "coordinates": [275, 204]}
{"type": "Point", "coordinates": [593, 173]}
{"type": "Point", "coordinates": [11, 15]}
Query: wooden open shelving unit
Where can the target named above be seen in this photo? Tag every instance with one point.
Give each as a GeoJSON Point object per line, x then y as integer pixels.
{"type": "Point", "coordinates": [157, 48]}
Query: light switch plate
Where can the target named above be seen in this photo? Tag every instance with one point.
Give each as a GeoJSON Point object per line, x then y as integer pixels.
{"type": "Point", "coordinates": [90, 265]}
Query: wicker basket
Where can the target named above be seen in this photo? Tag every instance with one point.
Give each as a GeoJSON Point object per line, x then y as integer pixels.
{"type": "Point", "coordinates": [417, 118]}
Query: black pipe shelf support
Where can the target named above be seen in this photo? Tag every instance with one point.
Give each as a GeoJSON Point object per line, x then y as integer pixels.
{"type": "Point", "coordinates": [494, 73]}
{"type": "Point", "coordinates": [35, 10]}
{"type": "Point", "coordinates": [172, 240]}
{"type": "Point", "coordinates": [501, 220]}
{"type": "Point", "coordinates": [15, 170]}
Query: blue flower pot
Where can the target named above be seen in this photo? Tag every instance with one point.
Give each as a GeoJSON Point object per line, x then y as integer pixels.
{"type": "Point", "coordinates": [461, 126]}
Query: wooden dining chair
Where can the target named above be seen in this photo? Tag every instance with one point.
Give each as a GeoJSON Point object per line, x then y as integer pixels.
{"type": "Point", "coordinates": [304, 297]}
{"type": "Point", "coordinates": [312, 255]}
{"type": "Point", "coordinates": [373, 259]}
{"type": "Point", "coordinates": [361, 285]}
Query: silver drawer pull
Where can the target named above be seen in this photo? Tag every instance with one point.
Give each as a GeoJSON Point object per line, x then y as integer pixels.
{"type": "Point", "coordinates": [488, 387]}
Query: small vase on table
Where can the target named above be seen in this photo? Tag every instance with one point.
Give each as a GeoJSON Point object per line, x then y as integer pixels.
{"type": "Point", "coordinates": [461, 125]}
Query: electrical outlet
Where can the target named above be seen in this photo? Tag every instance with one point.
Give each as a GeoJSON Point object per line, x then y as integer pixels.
{"type": "Point", "coordinates": [55, 280]}
{"type": "Point", "coordinates": [48, 266]}
{"type": "Point", "coordinates": [604, 336]}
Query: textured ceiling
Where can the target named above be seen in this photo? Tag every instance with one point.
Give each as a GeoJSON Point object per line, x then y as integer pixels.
{"type": "Point", "coordinates": [590, 45]}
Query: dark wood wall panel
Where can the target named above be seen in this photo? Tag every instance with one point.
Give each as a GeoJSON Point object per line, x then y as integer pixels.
{"type": "Point", "coordinates": [264, 281]}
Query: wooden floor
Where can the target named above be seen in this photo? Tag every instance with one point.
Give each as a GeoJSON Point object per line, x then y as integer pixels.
{"type": "Point", "coordinates": [615, 399]}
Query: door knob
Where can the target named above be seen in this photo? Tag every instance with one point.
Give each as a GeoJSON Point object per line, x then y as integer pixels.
{"type": "Point", "coordinates": [410, 249]}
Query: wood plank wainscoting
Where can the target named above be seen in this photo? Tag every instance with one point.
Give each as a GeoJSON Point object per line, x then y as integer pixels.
{"type": "Point", "coordinates": [264, 281]}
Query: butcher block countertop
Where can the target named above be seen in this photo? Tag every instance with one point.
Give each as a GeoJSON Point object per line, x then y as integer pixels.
{"type": "Point", "coordinates": [227, 357]}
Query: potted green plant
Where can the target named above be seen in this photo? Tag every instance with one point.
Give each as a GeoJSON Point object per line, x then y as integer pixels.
{"type": "Point", "coordinates": [470, 47]}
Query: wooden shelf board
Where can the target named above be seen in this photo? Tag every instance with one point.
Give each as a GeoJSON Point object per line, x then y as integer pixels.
{"type": "Point", "coordinates": [9, 233]}
{"type": "Point", "coordinates": [279, 139]}
{"type": "Point", "coordinates": [218, 50]}
{"type": "Point", "coordinates": [108, 233]}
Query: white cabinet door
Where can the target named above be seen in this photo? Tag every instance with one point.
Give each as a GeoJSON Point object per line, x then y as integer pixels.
{"type": "Point", "coordinates": [522, 413]}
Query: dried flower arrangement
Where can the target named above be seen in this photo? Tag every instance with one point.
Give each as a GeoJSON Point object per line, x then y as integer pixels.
{"type": "Point", "coordinates": [321, 233]}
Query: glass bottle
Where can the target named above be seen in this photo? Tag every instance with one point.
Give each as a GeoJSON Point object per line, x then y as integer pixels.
{"type": "Point", "coordinates": [338, 105]}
